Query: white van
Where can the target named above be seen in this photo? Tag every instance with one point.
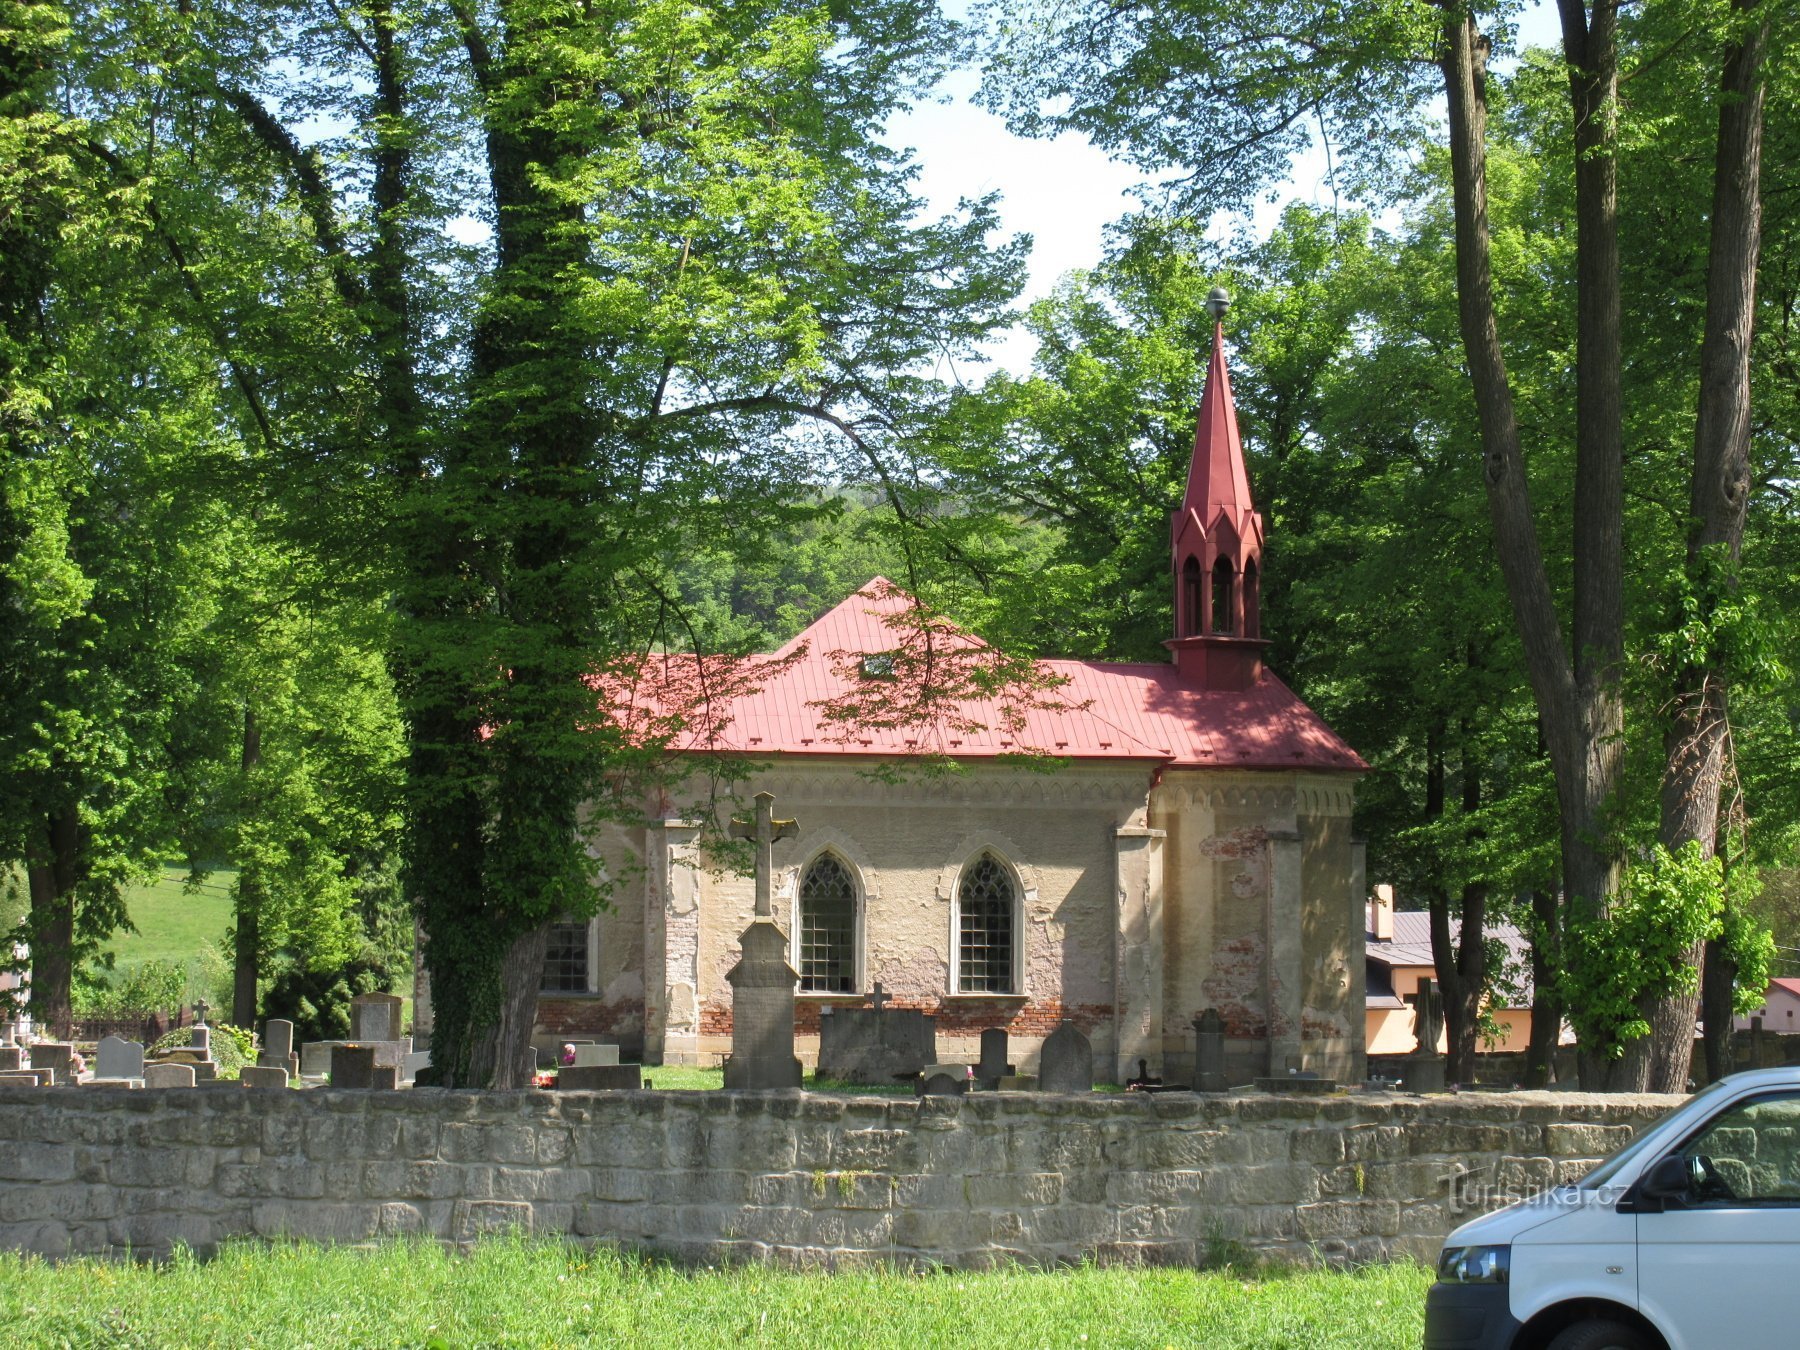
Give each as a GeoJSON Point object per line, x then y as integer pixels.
{"type": "Point", "coordinates": [1686, 1239]}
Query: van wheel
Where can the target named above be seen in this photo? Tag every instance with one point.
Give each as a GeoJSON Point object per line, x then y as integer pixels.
{"type": "Point", "coordinates": [1599, 1335]}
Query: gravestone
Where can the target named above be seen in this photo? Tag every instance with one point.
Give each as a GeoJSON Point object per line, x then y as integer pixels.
{"type": "Point", "coordinates": [762, 982]}
{"type": "Point", "coordinates": [375, 1017]}
{"type": "Point", "coordinates": [12, 1059]}
{"type": "Point", "coordinates": [1209, 1052]}
{"type": "Point", "coordinates": [992, 1066]}
{"type": "Point", "coordinates": [1423, 1070]}
{"type": "Point", "coordinates": [384, 1077]}
{"type": "Point", "coordinates": [877, 1044]}
{"type": "Point", "coordinates": [168, 1075]}
{"type": "Point", "coordinates": [1066, 1063]}
{"type": "Point", "coordinates": [591, 1056]}
{"type": "Point", "coordinates": [56, 1056]}
{"type": "Point", "coordinates": [118, 1058]}
{"type": "Point", "coordinates": [278, 1047]}
{"type": "Point", "coordinates": [411, 1062]}
{"type": "Point", "coordinates": [600, 1077]}
{"type": "Point", "coordinates": [315, 1056]}
{"type": "Point", "coordinates": [263, 1076]}
{"type": "Point", "coordinates": [1017, 1082]}
{"type": "Point", "coordinates": [943, 1085]}
{"type": "Point", "coordinates": [200, 1038]}
{"type": "Point", "coordinates": [20, 1078]}
{"type": "Point", "coordinates": [353, 1066]}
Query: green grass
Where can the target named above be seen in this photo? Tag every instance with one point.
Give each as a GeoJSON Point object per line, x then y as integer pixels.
{"type": "Point", "coordinates": [174, 924]}
{"type": "Point", "coordinates": [512, 1292]}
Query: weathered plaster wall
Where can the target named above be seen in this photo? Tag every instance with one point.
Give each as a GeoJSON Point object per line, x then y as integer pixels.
{"type": "Point", "coordinates": [1258, 918]}
{"type": "Point", "coordinates": [788, 1177]}
{"type": "Point", "coordinates": [906, 844]}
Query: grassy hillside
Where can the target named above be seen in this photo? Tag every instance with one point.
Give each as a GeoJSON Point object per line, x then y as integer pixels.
{"type": "Point", "coordinates": [174, 924]}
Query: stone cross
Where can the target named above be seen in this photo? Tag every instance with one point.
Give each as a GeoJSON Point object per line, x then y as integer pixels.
{"type": "Point", "coordinates": [764, 829]}
{"type": "Point", "coordinates": [201, 1008]}
{"type": "Point", "coordinates": [878, 998]}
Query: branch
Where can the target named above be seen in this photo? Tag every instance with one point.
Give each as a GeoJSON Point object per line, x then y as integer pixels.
{"type": "Point", "coordinates": [309, 182]}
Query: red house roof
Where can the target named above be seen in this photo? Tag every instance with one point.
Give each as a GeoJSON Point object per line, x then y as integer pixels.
{"type": "Point", "coordinates": [1097, 710]}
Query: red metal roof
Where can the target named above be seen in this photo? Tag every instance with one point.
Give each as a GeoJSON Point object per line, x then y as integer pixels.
{"type": "Point", "coordinates": [1102, 710]}
{"type": "Point", "coordinates": [1217, 480]}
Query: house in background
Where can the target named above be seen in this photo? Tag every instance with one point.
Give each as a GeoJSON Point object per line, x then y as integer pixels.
{"type": "Point", "coordinates": [1780, 1010]}
{"type": "Point", "coordinates": [1398, 948]}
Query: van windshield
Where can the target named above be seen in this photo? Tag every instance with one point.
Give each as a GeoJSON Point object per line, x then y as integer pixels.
{"type": "Point", "coordinates": [1607, 1170]}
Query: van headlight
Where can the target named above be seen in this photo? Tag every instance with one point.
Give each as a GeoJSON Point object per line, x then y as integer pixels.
{"type": "Point", "coordinates": [1474, 1265]}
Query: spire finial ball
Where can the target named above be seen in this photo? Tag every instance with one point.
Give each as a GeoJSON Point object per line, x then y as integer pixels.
{"type": "Point", "coordinates": [1218, 302]}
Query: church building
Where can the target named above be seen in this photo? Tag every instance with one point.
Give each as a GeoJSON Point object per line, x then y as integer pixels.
{"type": "Point", "coordinates": [1191, 850]}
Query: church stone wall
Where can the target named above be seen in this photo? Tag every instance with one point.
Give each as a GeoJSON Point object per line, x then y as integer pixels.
{"type": "Point", "coordinates": [907, 843]}
{"type": "Point", "coordinates": [1257, 919]}
{"type": "Point", "coordinates": [791, 1178]}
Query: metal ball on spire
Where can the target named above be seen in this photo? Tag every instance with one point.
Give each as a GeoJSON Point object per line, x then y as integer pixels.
{"type": "Point", "coordinates": [1218, 303]}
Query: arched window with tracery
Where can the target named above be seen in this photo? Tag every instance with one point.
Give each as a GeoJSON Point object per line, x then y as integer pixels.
{"type": "Point", "coordinates": [827, 927]}
{"type": "Point", "coordinates": [1222, 577]}
{"type": "Point", "coordinates": [987, 903]}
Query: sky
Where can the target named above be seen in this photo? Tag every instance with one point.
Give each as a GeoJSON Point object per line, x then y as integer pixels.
{"type": "Point", "coordinates": [1064, 192]}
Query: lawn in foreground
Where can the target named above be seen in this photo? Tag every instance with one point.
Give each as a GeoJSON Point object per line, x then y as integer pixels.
{"type": "Point", "coordinates": [513, 1292]}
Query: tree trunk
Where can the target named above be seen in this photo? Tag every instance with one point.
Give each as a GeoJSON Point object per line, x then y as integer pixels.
{"type": "Point", "coordinates": [53, 872]}
{"type": "Point", "coordinates": [1579, 701]}
{"type": "Point", "coordinates": [247, 916]}
{"type": "Point", "coordinates": [1461, 963]}
{"type": "Point", "coordinates": [1546, 1006]}
{"type": "Point", "coordinates": [1717, 977]}
{"type": "Point", "coordinates": [503, 1058]}
{"type": "Point", "coordinates": [1695, 742]}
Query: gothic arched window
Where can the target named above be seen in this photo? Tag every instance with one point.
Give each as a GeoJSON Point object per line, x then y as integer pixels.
{"type": "Point", "coordinates": [1222, 577]}
{"type": "Point", "coordinates": [827, 928]}
{"type": "Point", "coordinates": [1190, 597]}
{"type": "Point", "coordinates": [1252, 602]}
{"type": "Point", "coordinates": [987, 903]}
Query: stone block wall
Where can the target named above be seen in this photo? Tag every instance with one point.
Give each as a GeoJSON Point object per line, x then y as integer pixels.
{"type": "Point", "coordinates": [790, 1178]}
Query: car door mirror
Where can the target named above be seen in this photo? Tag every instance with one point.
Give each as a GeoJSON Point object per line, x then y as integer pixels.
{"type": "Point", "coordinates": [1670, 1178]}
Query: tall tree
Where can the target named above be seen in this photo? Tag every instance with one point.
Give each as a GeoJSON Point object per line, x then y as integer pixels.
{"type": "Point", "coordinates": [1226, 93]}
{"type": "Point", "coordinates": [691, 244]}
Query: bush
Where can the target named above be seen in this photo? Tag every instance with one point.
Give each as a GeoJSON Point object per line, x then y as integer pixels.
{"type": "Point", "coordinates": [232, 1047]}
{"type": "Point", "coordinates": [317, 1002]}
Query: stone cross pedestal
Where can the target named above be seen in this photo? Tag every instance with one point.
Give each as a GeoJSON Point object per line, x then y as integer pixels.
{"type": "Point", "coordinates": [762, 982]}
{"type": "Point", "coordinates": [1424, 1067]}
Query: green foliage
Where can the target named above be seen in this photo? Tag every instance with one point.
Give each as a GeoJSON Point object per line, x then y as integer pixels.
{"type": "Point", "coordinates": [317, 1002]}
{"type": "Point", "coordinates": [150, 986]}
{"type": "Point", "coordinates": [232, 1047]}
{"type": "Point", "coordinates": [1640, 947]}
{"type": "Point", "coordinates": [538, 1292]}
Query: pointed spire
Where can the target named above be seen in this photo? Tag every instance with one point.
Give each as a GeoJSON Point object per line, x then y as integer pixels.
{"type": "Point", "coordinates": [1217, 479]}
{"type": "Point", "coordinates": [1216, 542]}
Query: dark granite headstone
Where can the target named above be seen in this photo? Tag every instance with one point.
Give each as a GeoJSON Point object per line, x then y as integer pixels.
{"type": "Point", "coordinates": [1067, 1061]}
{"type": "Point", "coordinates": [877, 1044]}
{"type": "Point", "coordinates": [56, 1056]}
{"type": "Point", "coordinates": [353, 1066]}
{"type": "Point", "coordinates": [600, 1077]}
{"type": "Point", "coordinates": [992, 1066]}
{"type": "Point", "coordinates": [1209, 1052]}
{"type": "Point", "coordinates": [12, 1059]}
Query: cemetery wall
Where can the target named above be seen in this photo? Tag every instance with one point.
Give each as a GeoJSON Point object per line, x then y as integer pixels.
{"type": "Point", "coordinates": [792, 1178]}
